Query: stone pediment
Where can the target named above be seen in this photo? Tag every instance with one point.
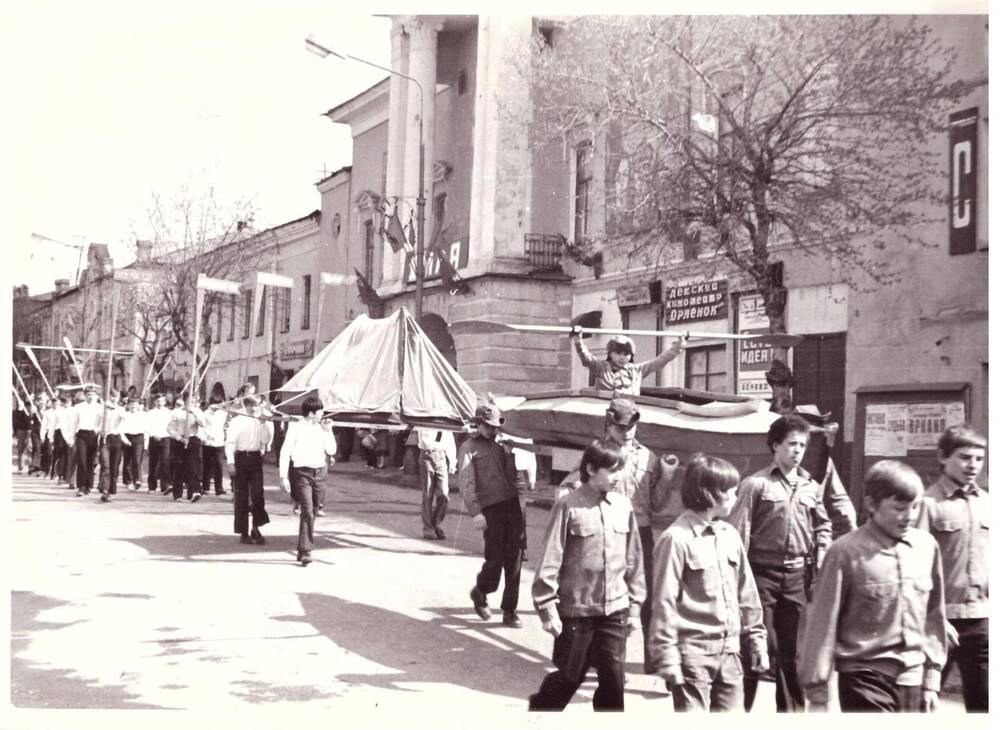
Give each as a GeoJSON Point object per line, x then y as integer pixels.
{"type": "Point", "coordinates": [367, 200]}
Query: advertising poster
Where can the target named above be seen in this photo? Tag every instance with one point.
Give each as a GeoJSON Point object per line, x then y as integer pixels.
{"type": "Point", "coordinates": [926, 421]}
{"type": "Point", "coordinates": [753, 359]}
{"type": "Point", "coordinates": [886, 429]}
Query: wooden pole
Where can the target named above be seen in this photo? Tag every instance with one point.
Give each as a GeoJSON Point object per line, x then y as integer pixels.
{"type": "Point", "coordinates": [257, 289]}
{"type": "Point", "coordinates": [111, 356]}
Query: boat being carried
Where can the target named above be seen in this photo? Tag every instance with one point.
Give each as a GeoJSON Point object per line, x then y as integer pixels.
{"type": "Point", "coordinates": [676, 421]}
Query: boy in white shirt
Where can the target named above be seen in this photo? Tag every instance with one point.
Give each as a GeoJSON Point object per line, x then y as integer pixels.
{"type": "Point", "coordinates": [304, 454]}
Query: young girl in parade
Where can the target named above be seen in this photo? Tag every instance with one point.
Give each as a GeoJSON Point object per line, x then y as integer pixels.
{"type": "Point", "coordinates": [705, 602]}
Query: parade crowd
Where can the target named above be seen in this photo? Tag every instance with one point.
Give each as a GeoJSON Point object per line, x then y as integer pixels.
{"type": "Point", "coordinates": [725, 579]}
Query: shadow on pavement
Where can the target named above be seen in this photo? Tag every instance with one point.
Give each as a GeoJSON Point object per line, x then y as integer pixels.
{"type": "Point", "coordinates": [32, 686]}
{"type": "Point", "coordinates": [420, 651]}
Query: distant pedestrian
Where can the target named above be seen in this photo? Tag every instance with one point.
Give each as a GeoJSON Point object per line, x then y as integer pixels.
{"type": "Point", "coordinates": [246, 441]}
{"type": "Point", "coordinates": [589, 585]}
{"type": "Point", "coordinates": [437, 461]}
{"type": "Point", "coordinates": [158, 429]}
{"type": "Point", "coordinates": [955, 510]}
{"type": "Point", "coordinates": [213, 449]}
{"type": "Point", "coordinates": [134, 444]}
{"type": "Point", "coordinates": [113, 442]}
{"type": "Point", "coordinates": [21, 423]}
{"type": "Point", "coordinates": [487, 479]}
{"type": "Point", "coordinates": [878, 613]}
{"type": "Point", "coordinates": [705, 602]}
{"type": "Point", "coordinates": [307, 446]}
{"type": "Point", "coordinates": [88, 424]}
{"type": "Point", "coordinates": [193, 432]}
{"type": "Point", "coordinates": [620, 373]}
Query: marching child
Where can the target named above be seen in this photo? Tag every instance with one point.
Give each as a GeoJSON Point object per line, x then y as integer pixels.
{"type": "Point", "coordinates": [877, 614]}
{"type": "Point", "coordinates": [955, 511]}
{"type": "Point", "coordinates": [705, 601]}
{"type": "Point", "coordinates": [590, 585]}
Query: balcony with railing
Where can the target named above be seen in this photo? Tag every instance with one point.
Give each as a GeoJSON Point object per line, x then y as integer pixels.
{"type": "Point", "coordinates": [544, 251]}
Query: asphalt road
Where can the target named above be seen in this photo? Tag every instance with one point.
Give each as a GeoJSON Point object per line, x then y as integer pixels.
{"type": "Point", "coordinates": [145, 603]}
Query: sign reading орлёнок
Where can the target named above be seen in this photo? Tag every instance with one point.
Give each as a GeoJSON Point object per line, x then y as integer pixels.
{"type": "Point", "coordinates": [695, 302]}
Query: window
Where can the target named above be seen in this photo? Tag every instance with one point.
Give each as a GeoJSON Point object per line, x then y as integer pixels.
{"type": "Point", "coordinates": [306, 300]}
{"type": "Point", "coordinates": [581, 197]}
{"type": "Point", "coordinates": [286, 309]}
{"type": "Point", "coordinates": [217, 302]}
{"type": "Point", "coordinates": [232, 317]}
{"type": "Point", "coordinates": [369, 252]}
{"type": "Point", "coordinates": [439, 210]}
{"type": "Point", "coordinates": [263, 311]}
{"type": "Point", "coordinates": [706, 368]}
{"type": "Point", "coordinates": [247, 303]}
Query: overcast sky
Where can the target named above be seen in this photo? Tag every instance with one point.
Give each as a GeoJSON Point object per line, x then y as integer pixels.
{"type": "Point", "coordinates": [115, 100]}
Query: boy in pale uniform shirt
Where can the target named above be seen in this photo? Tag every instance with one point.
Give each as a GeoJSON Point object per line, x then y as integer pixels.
{"type": "Point", "coordinates": [158, 429]}
{"type": "Point", "coordinates": [437, 460]}
{"type": "Point", "coordinates": [877, 615]}
{"type": "Point", "coordinates": [955, 510]}
{"type": "Point", "coordinates": [246, 441]}
{"type": "Point", "coordinates": [304, 454]}
{"type": "Point", "coordinates": [88, 424]}
{"type": "Point", "coordinates": [705, 601]}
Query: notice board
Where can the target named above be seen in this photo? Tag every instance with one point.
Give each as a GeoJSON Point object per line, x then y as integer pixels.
{"type": "Point", "coordinates": [903, 422]}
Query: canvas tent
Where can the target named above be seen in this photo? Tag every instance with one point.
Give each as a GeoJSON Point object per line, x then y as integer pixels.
{"type": "Point", "coordinates": [383, 372]}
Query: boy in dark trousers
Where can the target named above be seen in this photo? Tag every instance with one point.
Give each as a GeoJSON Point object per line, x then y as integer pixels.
{"type": "Point", "coordinates": [705, 603]}
{"type": "Point", "coordinates": [590, 585]}
{"type": "Point", "coordinates": [956, 512]}
{"type": "Point", "coordinates": [487, 479]}
{"type": "Point", "coordinates": [877, 614]}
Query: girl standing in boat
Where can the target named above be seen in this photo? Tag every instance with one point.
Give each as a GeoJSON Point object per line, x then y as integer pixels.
{"type": "Point", "coordinates": [619, 372]}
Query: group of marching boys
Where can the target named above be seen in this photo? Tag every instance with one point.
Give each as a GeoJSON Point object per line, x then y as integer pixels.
{"type": "Point", "coordinates": [729, 580]}
{"type": "Point", "coordinates": [86, 443]}
{"type": "Point", "coordinates": [726, 579]}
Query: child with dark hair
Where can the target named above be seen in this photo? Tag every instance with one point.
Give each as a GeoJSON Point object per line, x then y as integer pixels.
{"type": "Point", "coordinates": [304, 456]}
{"type": "Point", "coordinates": [878, 615]}
{"type": "Point", "coordinates": [955, 510]}
{"type": "Point", "coordinates": [619, 372]}
{"type": "Point", "coordinates": [780, 517]}
{"type": "Point", "coordinates": [589, 585]}
{"type": "Point", "coordinates": [705, 602]}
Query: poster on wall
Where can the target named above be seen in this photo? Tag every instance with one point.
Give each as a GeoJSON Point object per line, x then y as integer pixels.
{"type": "Point", "coordinates": [893, 429]}
{"type": "Point", "coordinates": [885, 429]}
{"type": "Point", "coordinates": [753, 359]}
{"type": "Point", "coordinates": [926, 421]}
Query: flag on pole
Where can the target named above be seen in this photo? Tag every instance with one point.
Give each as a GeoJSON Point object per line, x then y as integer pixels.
{"type": "Point", "coordinates": [34, 361]}
{"type": "Point", "coordinates": [366, 292]}
{"type": "Point", "coordinates": [411, 244]}
{"type": "Point", "coordinates": [454, 282]}
{"type": "Point", "coordinates": [221, 285]}
{"type": "Point", "coordinates": [326, 277]}
{"type": "Point", "coordinates": [394, 233]}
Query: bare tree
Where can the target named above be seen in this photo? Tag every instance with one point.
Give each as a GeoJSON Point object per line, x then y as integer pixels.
{"type": "Point", "coordinates": [724, 137]}
{"type": "Point", "coordinates": [189, 235]}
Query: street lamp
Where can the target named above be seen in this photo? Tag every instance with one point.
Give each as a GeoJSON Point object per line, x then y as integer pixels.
{"type": "Point", "coordinates": [322, 51]}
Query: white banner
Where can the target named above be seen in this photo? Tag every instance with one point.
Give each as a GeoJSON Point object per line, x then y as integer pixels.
{"type": "Point", "coordinates": [326, 277]}
{"type": "Point", "coordinates": [221, 285]}
{"type": "Point", "coordinates": [265, 278]}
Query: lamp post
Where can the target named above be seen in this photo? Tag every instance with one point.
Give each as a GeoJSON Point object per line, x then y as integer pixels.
{"type": "Point", "coordinates": [322, 51]}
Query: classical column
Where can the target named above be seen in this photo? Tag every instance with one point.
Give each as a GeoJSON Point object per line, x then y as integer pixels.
{"type": "Point", "coordinates": [423, 67]}
{"type": "Point", "coordinates": [392, 265]}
